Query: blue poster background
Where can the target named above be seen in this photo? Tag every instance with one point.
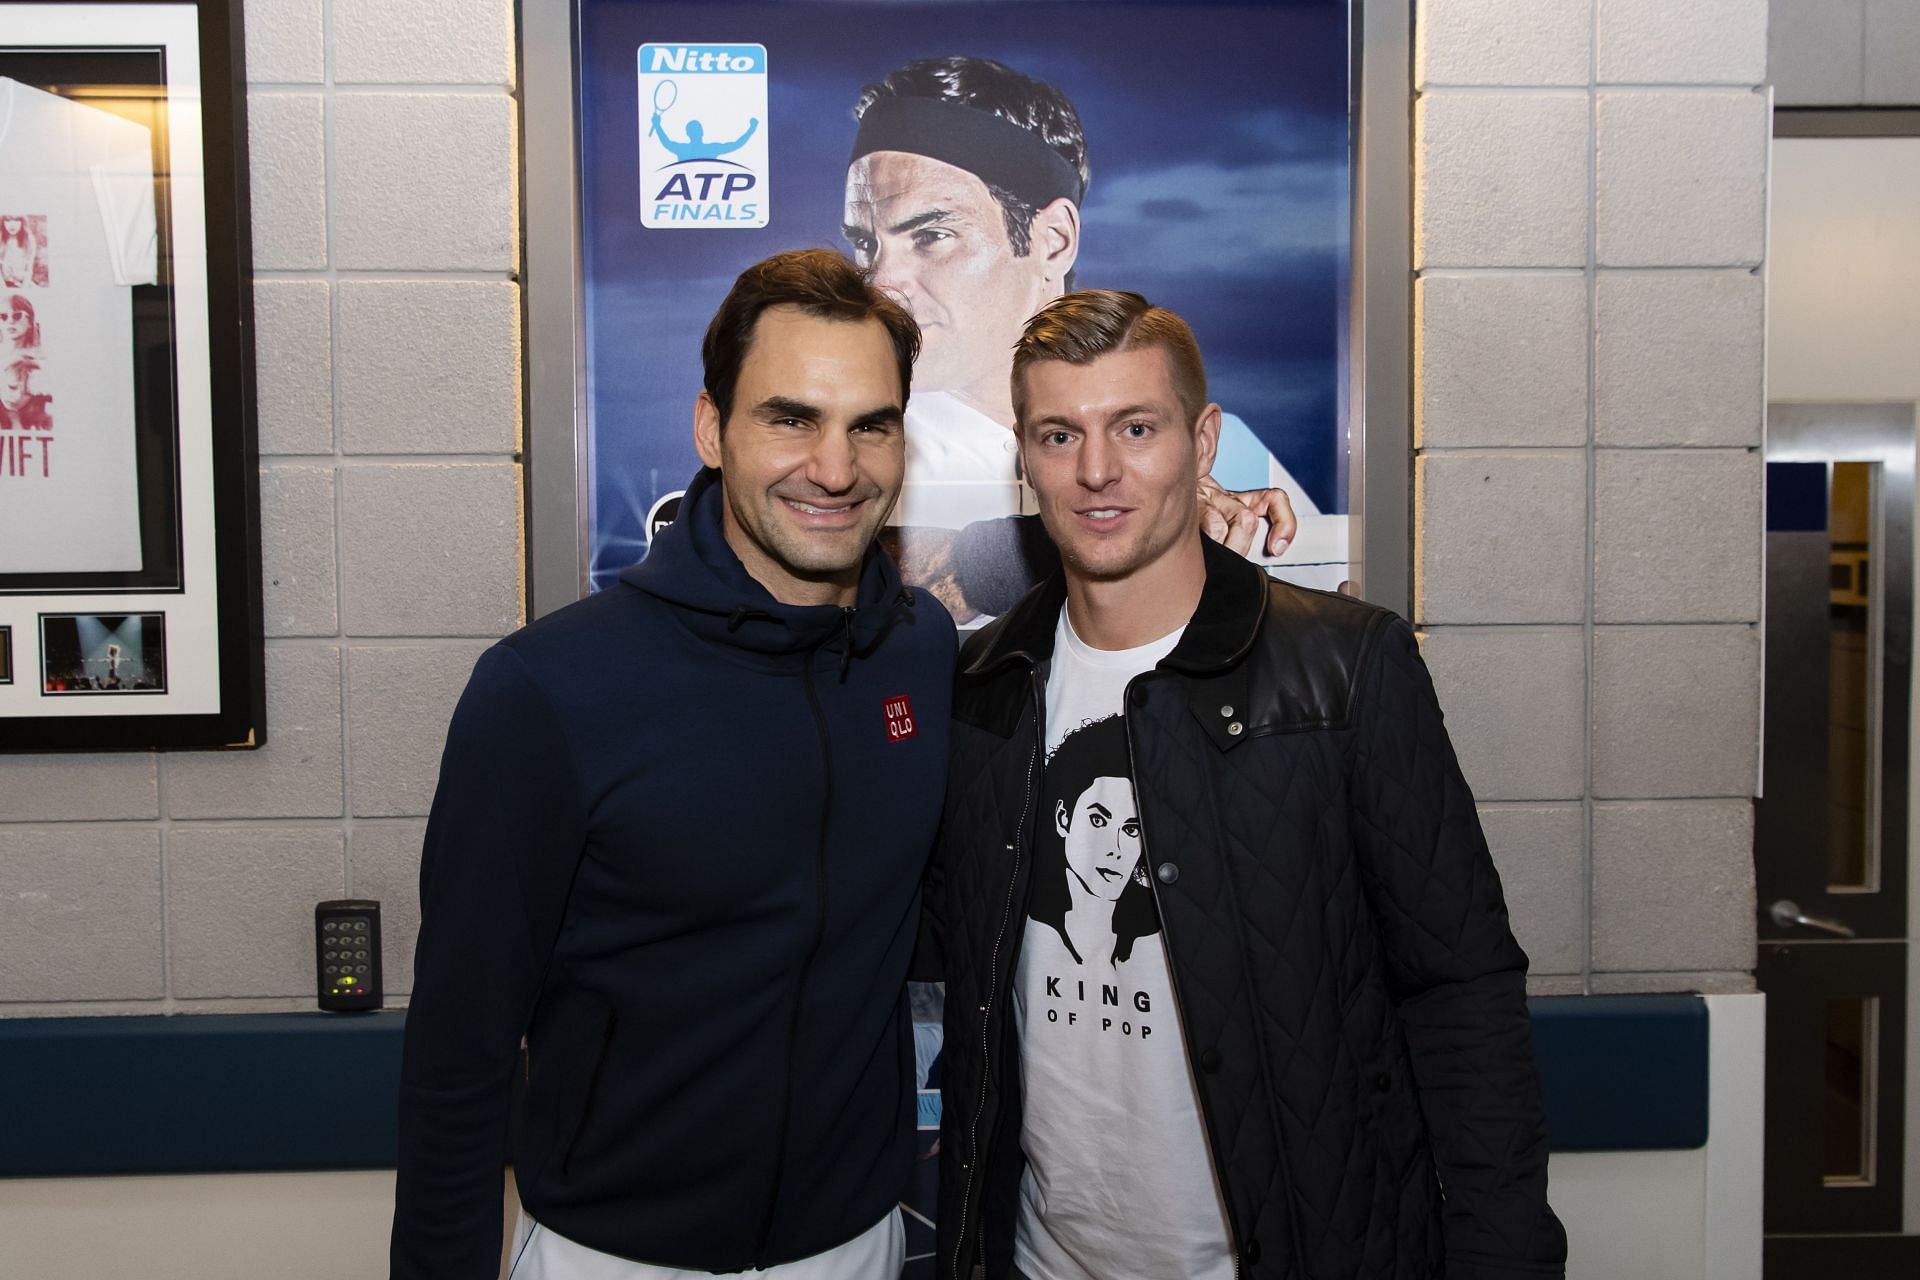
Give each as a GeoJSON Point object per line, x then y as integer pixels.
{"type": "Point", "coordinates": [1217, 135]}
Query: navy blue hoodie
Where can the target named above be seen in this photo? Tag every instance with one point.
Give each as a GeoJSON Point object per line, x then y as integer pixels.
{"type": "Point", "coordinates": [677, 846]}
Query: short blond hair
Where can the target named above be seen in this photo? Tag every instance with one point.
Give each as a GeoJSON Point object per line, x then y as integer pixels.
{"type": "Point", "coordinates": [1081, 327]}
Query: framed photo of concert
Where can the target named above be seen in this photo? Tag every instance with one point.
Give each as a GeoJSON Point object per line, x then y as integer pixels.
{"type": "Point", "coordinates": [129, 529]}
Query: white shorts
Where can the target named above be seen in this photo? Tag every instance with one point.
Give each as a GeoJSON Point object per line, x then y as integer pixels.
{"type": "Point", "coordinates": [878, 1253]}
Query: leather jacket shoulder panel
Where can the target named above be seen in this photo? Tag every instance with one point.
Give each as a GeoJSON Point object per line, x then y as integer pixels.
{"type": "Point", "coordinates": [1306, 660]}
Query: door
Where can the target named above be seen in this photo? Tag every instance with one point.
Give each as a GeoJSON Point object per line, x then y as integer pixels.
{"type": "Point", "coordinates": [1830, 836]}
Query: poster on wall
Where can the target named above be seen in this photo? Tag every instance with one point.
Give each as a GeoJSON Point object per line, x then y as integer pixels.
{"type": "Point", "coordinates": [980, 159]}
{"type": "Point", "coordinates": [128, 529]}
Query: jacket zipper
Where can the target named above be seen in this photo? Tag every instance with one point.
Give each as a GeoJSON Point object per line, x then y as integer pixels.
{"type": "Point", "coordinates": [993, 986]}
{"type": "Point", "coordinates": [1166, 937]}
{"type": "Point", "coordinates": [593, 1092]}
{"type": "Point", "coordinates": [813, 949]}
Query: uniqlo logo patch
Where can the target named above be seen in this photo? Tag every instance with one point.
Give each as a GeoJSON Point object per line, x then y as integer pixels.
{"type": "Point", "coordinates": [899, 719]}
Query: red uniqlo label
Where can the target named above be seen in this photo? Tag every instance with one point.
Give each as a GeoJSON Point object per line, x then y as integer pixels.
{"type": "Point", "coordinates": [899, 719]}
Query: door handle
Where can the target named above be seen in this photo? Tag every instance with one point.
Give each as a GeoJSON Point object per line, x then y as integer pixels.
{"type": "Point", "coordinates": [1787, 911]}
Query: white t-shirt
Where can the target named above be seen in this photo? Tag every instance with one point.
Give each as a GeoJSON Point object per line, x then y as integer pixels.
{"type": "Point", "coordinates": [76, 234]}
{"type": "Point", "coordinates": [1119, 1183]}
{"type": "Point", "coordinates": [877, 1253]}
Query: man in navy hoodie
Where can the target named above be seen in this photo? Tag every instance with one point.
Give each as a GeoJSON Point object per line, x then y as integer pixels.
{"type": "Point", "coordinates": [670, 882]}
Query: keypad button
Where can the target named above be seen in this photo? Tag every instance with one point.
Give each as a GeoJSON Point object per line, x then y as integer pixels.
{"type": "Point", "coordinates": [330, 926]}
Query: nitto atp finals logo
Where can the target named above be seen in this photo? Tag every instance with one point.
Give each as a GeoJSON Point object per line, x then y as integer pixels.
{"type": "Point", "coordinates": [703, 136]}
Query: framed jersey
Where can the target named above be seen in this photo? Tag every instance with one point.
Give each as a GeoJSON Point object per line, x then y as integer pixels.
{"type": "Point", "coordinates": [129, 546]}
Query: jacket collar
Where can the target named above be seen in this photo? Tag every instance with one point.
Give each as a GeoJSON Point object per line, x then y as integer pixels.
{"type": "Point", "coordinates": [1218, 635]}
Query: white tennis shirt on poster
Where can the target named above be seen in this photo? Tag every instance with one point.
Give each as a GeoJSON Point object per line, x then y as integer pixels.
{"type": "Point", "coordinates": [77, 232]}
{"type": "Point", "coordinates": [1119, 1183]}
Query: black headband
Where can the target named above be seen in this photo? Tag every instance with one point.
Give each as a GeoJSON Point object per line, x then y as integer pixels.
{"type": "Point", "coordinates": [998, 152]}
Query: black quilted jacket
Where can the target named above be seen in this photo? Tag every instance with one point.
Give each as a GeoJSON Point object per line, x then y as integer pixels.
{"type": "Point", "coordinates": [1352, 1000]}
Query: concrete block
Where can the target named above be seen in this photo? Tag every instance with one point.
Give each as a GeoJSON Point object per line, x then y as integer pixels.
{"type": "Point", "coordinates": [423, 42]}
{"type": "Point", "coordinates": [1515, 701]}
{"type": "Point", "coordinates": [429, 368]}
{"type": "Point", "coordinates": [297, 774]}
{"type": "Point", "coordinates": [1500, 360]}
{"type": "Point", "coordinates": [1681, 178]}
{"type": "Point", "coordinates": [1892, 47]}
{"type": "Point", "coordinates": [1679, 358]}
{"type": "Point", "coordinates": [287, 145]}
{"type": "Point", "coordinates": [1673, 886]}
{"type": "Point", "coordinates": [286, 41]}
{"type": "Point", "coordinates": [1814, 52]}
{"type": "Point", "coordinates": [240, 906]}
{"type": "Point", "coordinates": [1500, 536]}
{"type": "Point", "coordinates": [80, 913]}
{"type": "Point", "coordinates": [1676, 711]}
{"type": "Point", "coordinates": [1500, 180]}
{"type": "Point", "coordinates": [1497, 42]}
{"type": "Point", "coordinates": [298, 566]}
{"type": "Point", "coordinates": [1540, 851]}
{"type": "Point", "coordinates": [1676, 535]}
{"type": "Point", "coordinates": [383, 863]}
{"type": "Point", "coordinates": [1699, 42]}
{"type": "Point", "coordinates": [293, 356]}
{"type": "Point", "coordinates": [399, 700]}
{"type": "Point", "coordinates": [71, 787]}
{"type": "Point", "coordinates": [431, 549]}
{"type": "Point", "coordinates": [1735, 982]}
{"type": "Point", "coordinates": [425, 181]}
{"type": "Point", "coordinates": [1571, 984]}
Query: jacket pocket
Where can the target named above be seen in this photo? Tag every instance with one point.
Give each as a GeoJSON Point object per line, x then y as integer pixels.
{"type": "Point", "coordinates": [593, 1091]}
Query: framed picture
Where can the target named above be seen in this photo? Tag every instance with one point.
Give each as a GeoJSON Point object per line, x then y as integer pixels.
{"type": "Point", "coordinates": [129, 544]}
{"type": "Point", "coordinates": [1233, 161]}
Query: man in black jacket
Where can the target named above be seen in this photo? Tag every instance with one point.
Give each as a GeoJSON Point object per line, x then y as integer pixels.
{"type": "Point", "coordinates": [677, 847]}
{"type": "Point", "coordinates": [1230, 985]}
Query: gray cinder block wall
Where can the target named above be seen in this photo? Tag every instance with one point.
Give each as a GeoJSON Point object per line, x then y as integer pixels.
{"type": "Point", "coordinates": [1845, 53]}
{"type": "Point", "coordinates": [1590, 226]}
{"type": "Point", "coordinates": [386, 243]}
{"type": "Point", "coordinates": [1589, 222]}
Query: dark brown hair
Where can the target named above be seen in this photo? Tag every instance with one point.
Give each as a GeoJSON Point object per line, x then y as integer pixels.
{"type": "Point", "coordinates": [1081, 327]}
{"type": "Point", "coordinates": [986, 85]}
{"type": "Point", "coordinates": [819, 282]}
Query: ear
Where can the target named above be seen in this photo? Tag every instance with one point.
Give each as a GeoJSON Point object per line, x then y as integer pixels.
{"type": "Point", "coordinates": [1206, 440]}
{"type": "Point", "coordinates": [1061, 820]}
{"type": "Point", "coordinates": [706, 429]}
{"type": "Point", "coordinates": [1056, 241]}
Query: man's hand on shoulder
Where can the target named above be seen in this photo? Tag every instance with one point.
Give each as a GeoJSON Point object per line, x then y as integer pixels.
{"type": "Point", "coordinates": [1233, 519]}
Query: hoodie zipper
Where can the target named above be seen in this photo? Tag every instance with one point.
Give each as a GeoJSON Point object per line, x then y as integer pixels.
{"type": "Point", "coordinates": [1017, 848]}
{"type": "Point", "coordinates": [813, 948]}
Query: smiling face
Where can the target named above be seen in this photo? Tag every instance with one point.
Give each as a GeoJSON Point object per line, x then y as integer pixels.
{"type": "Point", "coordinates": [812, 455]}
{"type": "Point", "coordinates": [1114, 459]}
{"type": "Point", "coordinates": [1102, 836]}
{"type": "Point", "coordinates": [934, 237]}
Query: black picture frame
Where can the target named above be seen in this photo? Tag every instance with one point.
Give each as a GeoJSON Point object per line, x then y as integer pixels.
{"type": "Point", "coordinates": [191, 361]}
